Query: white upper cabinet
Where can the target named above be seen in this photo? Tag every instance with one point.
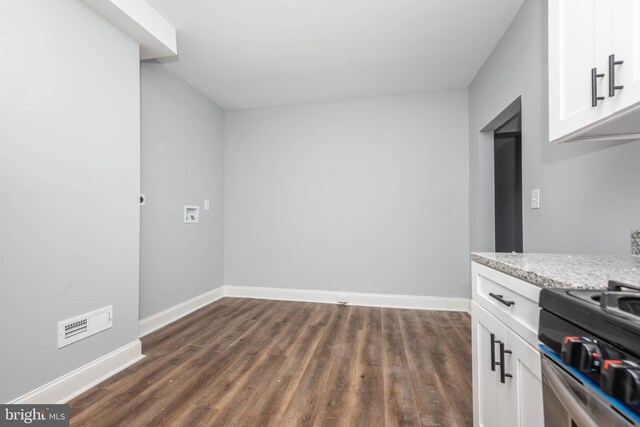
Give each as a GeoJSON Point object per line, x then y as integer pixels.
{"type": "Point", "coordinates": [594, 69]}
{"type": "Point", "coordinates": [574, 54]}
{"type": "Point", "coordinates": [625, 49]}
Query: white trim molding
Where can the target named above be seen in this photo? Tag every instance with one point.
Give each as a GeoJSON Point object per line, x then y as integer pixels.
{"type": "Point", "coordinates": [354, 298]}
{"type": "Point", "coordinates": [76, 382]}
{"type": "Point", "coordinates": [171, 314]}
{"type": "Point", "coordinates": [137, 19]}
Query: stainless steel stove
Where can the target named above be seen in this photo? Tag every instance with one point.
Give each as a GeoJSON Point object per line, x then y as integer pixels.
{"type": "Point", "coordinates": [591, 356]}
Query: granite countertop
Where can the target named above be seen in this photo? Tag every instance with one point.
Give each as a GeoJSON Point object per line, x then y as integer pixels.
{"type": "Point", "coordinates": [563, 270]}
{"type": "Point", "coordinates": [635, 242]}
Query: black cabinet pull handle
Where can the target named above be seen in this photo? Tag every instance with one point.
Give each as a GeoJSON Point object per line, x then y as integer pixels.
{"type": "Point", "coordinates": [503, 375]}
{"type": "Point", "coordinates": [612, 75]}
{"type": "Point", "coordinates": [502, 300]}
{"type": "Point", "coordinates": [493, 351]}
{"type": "Point", "coordinates": [594, 87]}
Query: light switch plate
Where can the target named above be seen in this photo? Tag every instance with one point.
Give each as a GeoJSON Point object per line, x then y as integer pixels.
{"type": "Point", "coordinates": [535, 199]}
{"type": "Point", "coordinates": [206, 205]}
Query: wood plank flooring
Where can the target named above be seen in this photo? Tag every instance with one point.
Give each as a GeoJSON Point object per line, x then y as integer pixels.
{"type": "Point", "coordinates": [247, 362]}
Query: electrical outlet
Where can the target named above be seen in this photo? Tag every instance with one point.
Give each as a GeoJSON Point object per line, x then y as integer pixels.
{"type": "Point", "coordinates": [343, 299]}
{"type": "Point", "coordinates": [535, 199]}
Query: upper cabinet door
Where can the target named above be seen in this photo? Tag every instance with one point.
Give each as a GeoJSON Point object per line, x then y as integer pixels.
{"type": "Point", "coordinates": [588, 35]}
{"type": "Point", "coordinates": [576, 46]}
{"type": "Point", "coordinates": [625, 47]}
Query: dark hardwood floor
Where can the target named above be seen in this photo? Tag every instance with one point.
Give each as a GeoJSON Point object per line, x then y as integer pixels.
{"type": "Point", "coordinates": [247, 362]}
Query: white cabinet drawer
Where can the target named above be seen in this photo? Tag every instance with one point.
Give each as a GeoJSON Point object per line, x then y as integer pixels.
{"type": "Point", "coordinates": [511, 300]}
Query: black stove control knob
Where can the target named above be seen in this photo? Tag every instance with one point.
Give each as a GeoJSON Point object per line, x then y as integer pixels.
{"type": "Point", "coordinates": [582, 354]}
{"type": "Point", "coordinates": [621, 380]}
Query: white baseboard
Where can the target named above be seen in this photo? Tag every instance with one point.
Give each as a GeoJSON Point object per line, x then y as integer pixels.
{"type": "Point", "coordinates": [418, 302]}
{"type": "Point", "coordinates": [70, 385]}
{"type": "Point", "coordinates": [171, 314]}
{"type": "Point", "coordinates": [157, 321]}
{"type": "Point", "coordinates": [355, 298]}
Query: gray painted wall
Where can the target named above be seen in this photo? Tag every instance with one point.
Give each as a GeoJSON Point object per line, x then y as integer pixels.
{"type": "Point", "coordinates": [69, 182]}
{"type": "Point", "coordinates": [182, 164]}
{"type": "Point", "coordinates": [590, 196]}
{"type": "Point", "coordinates": [366, 195]}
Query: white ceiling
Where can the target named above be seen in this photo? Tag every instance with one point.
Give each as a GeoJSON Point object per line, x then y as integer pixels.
{"type": "Point", "coordinates": [260, 53]}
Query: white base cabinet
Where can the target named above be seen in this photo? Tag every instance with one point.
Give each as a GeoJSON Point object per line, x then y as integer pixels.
{"type": "Point", "coordinates": [524, 389]}
{"type": "Point", "coordinates": [489, 394]}
{"type": "Point", "coordinates": [507, 380]}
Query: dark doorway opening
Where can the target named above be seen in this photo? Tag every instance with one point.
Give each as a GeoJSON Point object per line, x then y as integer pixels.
{"type": "Point", "coordinates": [507, 156]}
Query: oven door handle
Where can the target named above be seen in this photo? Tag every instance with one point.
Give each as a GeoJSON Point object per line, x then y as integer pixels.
{"type": "Point", "coordinates": [569, 400]}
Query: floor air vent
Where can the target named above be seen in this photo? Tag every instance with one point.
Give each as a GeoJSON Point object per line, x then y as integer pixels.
{"type": "Point", "coordinates": [85, 325]}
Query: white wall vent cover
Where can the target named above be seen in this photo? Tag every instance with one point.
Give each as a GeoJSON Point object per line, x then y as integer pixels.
{"type": "Point", "coordinates": [80, 327]}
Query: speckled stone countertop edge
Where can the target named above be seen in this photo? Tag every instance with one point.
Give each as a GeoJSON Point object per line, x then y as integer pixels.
{"type": "Point", "coordinates": [522, 274]}
{"type": "Point", "coordinates": [635, 242]}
